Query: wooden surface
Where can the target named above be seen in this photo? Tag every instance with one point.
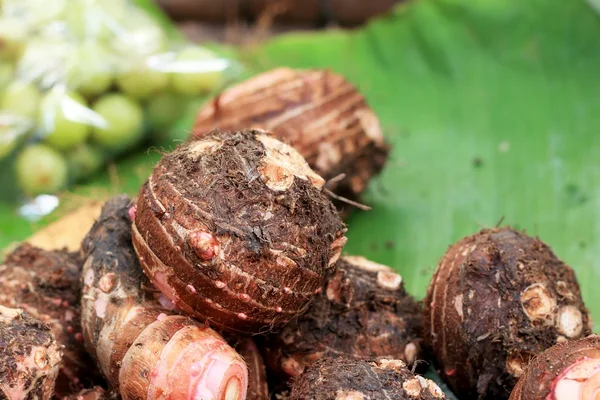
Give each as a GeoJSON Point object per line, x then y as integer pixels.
{"type": "Point", "coordinates": [69, 230]}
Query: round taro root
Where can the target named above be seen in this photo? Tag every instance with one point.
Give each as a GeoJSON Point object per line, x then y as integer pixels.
{"type": "Point", "coordinates": [235, 230]}
{"type": "Point", "coordinates": [363, 312]}
{"type": "Point", "coordinates": [29, 357]}
{"type": "Point", "coordinates": [497, 299]}
{"type": "Point", "coordinates": [348, 379]}
{"type": "Point", "coordinates": [318, 112]}
{"type": "Point", "coordinates": [566, 371]}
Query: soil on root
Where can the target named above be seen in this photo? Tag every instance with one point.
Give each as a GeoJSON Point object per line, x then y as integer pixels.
{"type": "Point", "coordinates": [497, 299]}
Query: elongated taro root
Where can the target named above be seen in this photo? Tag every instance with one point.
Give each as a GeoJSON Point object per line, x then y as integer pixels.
{"type": "Point", "coordinates": [258, 388]}
{"type": "Point", "coordinates": [566, 371]}
{"type": "Point", "coordinates": [143, 351]}
{"type": "Point", "coordinates": [497, 299]}
{"type": "Point", "coordinates": [29, 357]}
{"type": "Point", "coordinates": [348, 379]}
{"type": "Point", "coordinates": [47, 285]}
{"type": "Point", "coordinates": [363, 312]}
{"type": "Point", "coordinates": [318, 112]}
{"type": "Point", "coordinates": [234, 229]}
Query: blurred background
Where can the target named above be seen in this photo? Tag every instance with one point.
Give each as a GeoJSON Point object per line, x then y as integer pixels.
{"type": "Point", "coordinates": [492, 109]}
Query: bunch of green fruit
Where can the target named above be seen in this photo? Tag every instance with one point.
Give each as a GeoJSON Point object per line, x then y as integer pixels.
{"type": "Point", "coordinates": [83, 81]}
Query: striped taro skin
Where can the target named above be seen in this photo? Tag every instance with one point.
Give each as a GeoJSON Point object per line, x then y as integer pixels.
{"type": "Point", "coordinates": [235, 230]}
{"type": "Point", "coordinates": [144, 350]}
{"type": "Point", "coordinates": [318, 112]}
{"type": "Point", "coordinates": [497, 299]}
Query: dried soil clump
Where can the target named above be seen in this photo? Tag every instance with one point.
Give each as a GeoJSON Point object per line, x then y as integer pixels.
{"type": "Point", "coordinates": [235, 230]}
{"type": "Point", "coordinates": [348, 379]}
{"type": "Point", "coordinates": [363, 312]}
{"type": "Point", "coordinates": [29, 357]}
{"type": "Point", "coordinates": [497, 299]}
{"type": "Point", "coordinates": [142, 349]}
{"type": "Point", "coordinates": [318, 112]}
{"type": "Point", "coordinates": [566, 371]}
{"type": "Point", "coordinates": [47, 285]}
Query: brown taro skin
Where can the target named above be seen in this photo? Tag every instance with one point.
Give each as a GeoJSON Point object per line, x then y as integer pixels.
{"type": "Point", "coordinates": [497, 299]}
{"type": "Point", "coordinates": [47, 285]}
{"type": "Point", "coordinates": [258, 388]}
{"type": "Point", "coordinates": [344, 378]}
{"type": "Point", "coordinates": [143, 350]}
{"type": "Point", "coordinates": [95, 393]}
{"type": "Point", "coordinates": [566, 371]}
{"type": "Point", "coordinates": [318, 112]}
{"type": "Point", "coordinates": [362, 312]}
{"type": "Point", "coordinates": [235, 230]}
{"type": "Point", "coordinates": [29, 357]}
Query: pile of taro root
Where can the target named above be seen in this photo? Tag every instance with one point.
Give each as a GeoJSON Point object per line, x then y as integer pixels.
{"type": "Point", "coordinates": [226, 279]}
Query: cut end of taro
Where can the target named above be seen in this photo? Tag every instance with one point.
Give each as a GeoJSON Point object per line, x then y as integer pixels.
{"type": "Point", "coordinates": [566, 371]}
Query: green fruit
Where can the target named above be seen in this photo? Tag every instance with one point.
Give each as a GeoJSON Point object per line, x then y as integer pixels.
{"type": "Point", "coordinates": [95, 20]}
{"type": "Point", "coordinates": [189, 78]}
{"type": "Point", "coordinates": [124, 122]}
{"type": "Point", "coordinates": [34, 13]}
{"type": "Point", "coordinates": [61, 120]}
{"type": "Point", "coordinates": [8, 140]}
{"type": "Point", "coordinates": [7, 72]}
{"type": "Point", "coordinates": [142, 36]}
{"type": "Point", "coordinates": [41, 169]}
{"type": "Point", "coordinates": [164, 109]}
{"type": "Point", "coordinates": [21, 99]}
{"type": "Point", "coordinates": [141, 83]}
{"type": "Point", "coordinates": [13, 35]}
{"type": "Point", "coordinates": [94, 72]}
{"type": "Point", "coordinates": [85, 160]}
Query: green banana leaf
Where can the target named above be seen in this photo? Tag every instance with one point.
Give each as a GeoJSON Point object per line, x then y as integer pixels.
{"type": "Point", "coordinates": [493, 110]}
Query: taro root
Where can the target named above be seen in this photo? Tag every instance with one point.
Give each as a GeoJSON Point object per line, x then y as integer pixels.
{"type": "Point", "coordinates": [318, 112]}
{"type": "Point", "coordinates": [95, 393]}
{"type": "Point", "coordinates": [29, 357]}
{"type": "Point", "coordinates": [258, 388]}
{"type": "Point", "coordinates": [46, 284]}
{"type": "Point", "coordinates": [566, 371]}
{"type": "Point", "coordinates": [348, 379]}
{"type": "Point", "coordinates": [235, 230]}
{"type": "Point", "coordinates": [143, 350]}
{"type": "Point", "coordinates": [497, 299]}
{"type": "Point", "coordinates": [362, 312]}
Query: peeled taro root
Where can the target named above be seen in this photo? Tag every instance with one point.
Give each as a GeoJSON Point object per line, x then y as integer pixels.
{"type": "Point", "coordinates": [318, 112]}
{"type": "Point", "coordinates": [348, 379]}
{"type": "Point", "coordinates": [497, 299]}
{"type": "Point", "coordinates": [47, 285]}
{"type": "Point", "coordinates": [566, 371]}
{"type": "Point", "coordinates": [235, 230]}
{"type": "Point", "coordinates": [363, 312]}
{"type": "Point", "coordinates": [29, 356]}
